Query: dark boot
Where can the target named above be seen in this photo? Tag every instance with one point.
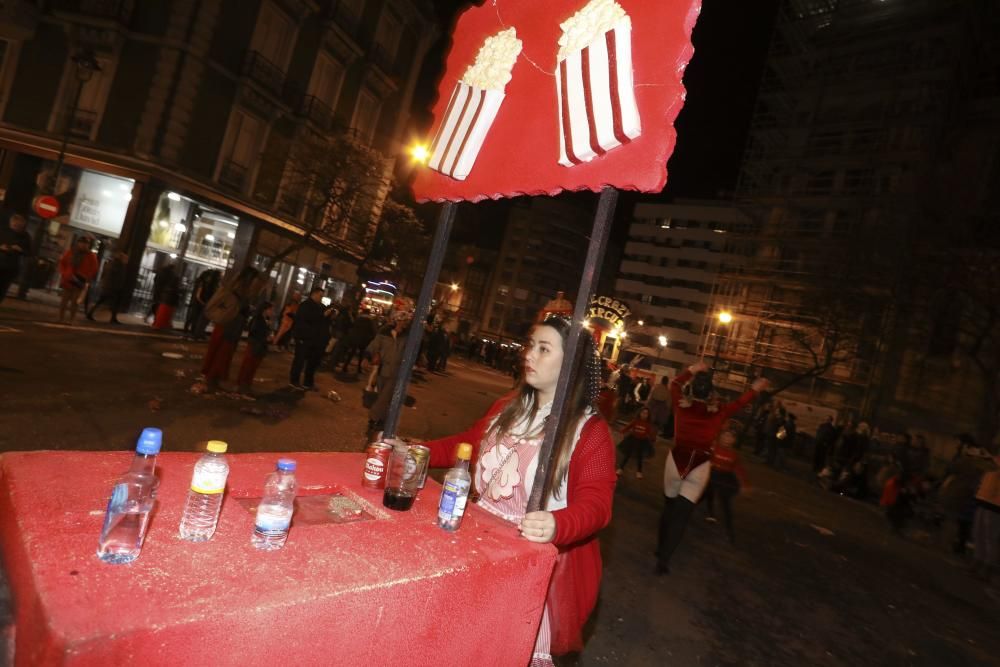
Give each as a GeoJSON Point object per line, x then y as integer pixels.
{"type": "Point", "coordinates": [672, 524]}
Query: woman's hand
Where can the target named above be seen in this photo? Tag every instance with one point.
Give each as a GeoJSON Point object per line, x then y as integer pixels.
{"type": "Point", "coordinates": [538, 527]}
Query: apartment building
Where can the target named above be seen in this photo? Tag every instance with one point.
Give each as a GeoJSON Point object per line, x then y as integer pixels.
{"type": "Point", "coordinates": [167, 128]}
{"type": "Point", "coordinates": [865, 107]}
{"type": "Point", "coordinates": [667, 275]}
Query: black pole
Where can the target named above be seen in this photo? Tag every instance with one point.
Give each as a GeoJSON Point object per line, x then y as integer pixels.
{"type": "Point", "coordinates": [553, 428]}
{"type": "Point", "coordinates": [412, 348]}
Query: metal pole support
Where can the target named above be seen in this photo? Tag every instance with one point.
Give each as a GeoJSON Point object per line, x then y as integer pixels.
{"type": "Point", "coordinates": [438, 248]}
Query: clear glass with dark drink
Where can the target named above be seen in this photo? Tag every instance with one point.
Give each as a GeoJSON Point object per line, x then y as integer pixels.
{"type": "Point", "coordinates": [402, 480]}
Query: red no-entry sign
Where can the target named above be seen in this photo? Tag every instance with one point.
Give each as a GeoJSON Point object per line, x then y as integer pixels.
{"type": "Point", "coordinates": [46, 206]}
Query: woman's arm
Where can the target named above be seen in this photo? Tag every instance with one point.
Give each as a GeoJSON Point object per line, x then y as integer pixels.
{"type": "Point", "coordinates": [591, 486]}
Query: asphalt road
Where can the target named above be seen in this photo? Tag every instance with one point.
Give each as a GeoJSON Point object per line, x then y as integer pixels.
{"type": "Point", "coordinates": [815, 579]}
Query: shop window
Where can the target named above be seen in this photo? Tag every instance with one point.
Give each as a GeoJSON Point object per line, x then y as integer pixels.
{"type": "Point", "coordinates": [212, 237]}
{"type": "Point", "coordinates": [366, 114]}
{"type": "Point", "coordinates": [101, 203]}
{"type": "Point", "coordinates": [169, 224]}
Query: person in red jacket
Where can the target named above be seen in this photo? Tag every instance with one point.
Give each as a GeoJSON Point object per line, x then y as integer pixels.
{"type": "Point", "coordinates": [77, 268]}
{"type": "Point", "coordinates": [698, 418]}
{"type": "Point", "coordinates": [640, 435]}
{"type": "Point", "coordinates": [582, 477]}
{"type": "Point", "coordinates": [728, 480]}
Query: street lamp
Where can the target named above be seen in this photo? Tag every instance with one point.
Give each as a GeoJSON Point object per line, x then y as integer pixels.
{"type": "Point", "coordinates": [724, 317]}
{"type": "Point", "coordinates": [420, 153]}
{"type": "Point", "coordinates": [454, 287]}
{"type": "Point", "coordinates": [663, 343]}
{"type": "Point", "coordinates": [86, 67]}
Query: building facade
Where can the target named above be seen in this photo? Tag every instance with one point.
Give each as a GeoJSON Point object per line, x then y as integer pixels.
{"type": "Point", "coordinates": [862, 108]}
{"type": "Point", "coordinates": [667, 276]}
{"type": "Point", "coordinates": [169, 128]}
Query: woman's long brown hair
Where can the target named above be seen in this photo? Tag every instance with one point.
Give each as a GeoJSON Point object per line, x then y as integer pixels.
{"type": "Point", "coordinates": [524, 404]}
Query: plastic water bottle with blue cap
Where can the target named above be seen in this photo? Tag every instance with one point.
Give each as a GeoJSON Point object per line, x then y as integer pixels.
{"type": "Point", "coordinates": [274, 513]}
{"type": "Point", "coordinates": [131, 503]}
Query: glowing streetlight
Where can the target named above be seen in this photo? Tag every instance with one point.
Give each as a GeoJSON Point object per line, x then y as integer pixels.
{"type": "Point", "coordinates": [725, 317]}
{"type": "Point", "coordinates": [454, 287]}
{"type": "Point", "coordinates": [663, 341]}
{"type": "Point", "coordinates": [420, 153]}
{"type": "Point", "coordinates": [641, 323]}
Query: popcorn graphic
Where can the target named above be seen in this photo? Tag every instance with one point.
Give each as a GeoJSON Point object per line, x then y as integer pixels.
{"type": "Point", "coordinates": [473, 105]}
{"type": "Point", "coordinates": [594, 86]}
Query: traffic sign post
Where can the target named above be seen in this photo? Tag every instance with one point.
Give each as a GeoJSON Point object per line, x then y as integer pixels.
{"type": "Point", "coordinates": [46, 206]}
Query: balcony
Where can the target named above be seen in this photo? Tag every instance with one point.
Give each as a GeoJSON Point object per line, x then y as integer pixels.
{"type": "Point", "coordinates": [383, 60]}
{"type": "Point", "coordinates": [112, 10]}
{"type": "Point", "coordinates": [316, 111]}
{"type": "Point", "coordinates": [342, 14]}
{"type": "Point", "coordinates": [232, 174]}
{"type": "Point", "coordinates": [263, 72]}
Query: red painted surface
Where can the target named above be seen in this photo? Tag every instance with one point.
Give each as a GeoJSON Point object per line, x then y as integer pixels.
{"type": "Point", "coordinates": [396, 590]}
{"type": "Point", "coordinates": [521, 152]}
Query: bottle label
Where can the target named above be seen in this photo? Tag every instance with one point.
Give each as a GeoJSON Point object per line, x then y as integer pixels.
{"type": "Point", "coordinates": [453, 499]}
{"type": "Point", "coordinates": [209, 481]}
{"type": "Point", "coordinates": [273, 521]}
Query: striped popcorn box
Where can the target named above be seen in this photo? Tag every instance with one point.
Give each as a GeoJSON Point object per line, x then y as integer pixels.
{"type": "Point", "coordinates": [473, 105]}
{"type": "Point", "coordinates": [466, 123]}
{"type": "Point", "coordinates": [596, 96]}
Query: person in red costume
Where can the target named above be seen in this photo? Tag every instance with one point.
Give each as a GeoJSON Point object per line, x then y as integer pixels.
{"type": "Point", "coordinates": [505, 456]}
{"type": "Point", "coordinates": [698, 418]}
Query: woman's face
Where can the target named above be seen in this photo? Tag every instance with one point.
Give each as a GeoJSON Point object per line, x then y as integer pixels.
{"type": "Point", "coordinates": [542, 358]}
{"type": "Point", "coordinates": [644, 414]}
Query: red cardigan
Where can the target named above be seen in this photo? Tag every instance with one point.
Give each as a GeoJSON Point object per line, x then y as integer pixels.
{"type": "Point", "coordinates": [590, 490]}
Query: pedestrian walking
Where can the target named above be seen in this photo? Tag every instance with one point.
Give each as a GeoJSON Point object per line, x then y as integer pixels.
{"type": "Point", "coordinates": [359, 336]}
{"type": "Point", "coordinates": [112, 286]}
{"type": "Point", "coordinates": [228, 310]}
{"type": "Point", "coordinates": [166, 296]}
{"type": "Point", "coordinates": [77, 268]}
{"type": "Point", "coordinates": [257, 339]}
{"type": "Point", "coordinates": [958, 490]}
{"type": "Point", "coordinates": [699, 417]}
{"type": "Point", "coordinates": [15, 245]}
{"type": "Point", "coordinates": [311, 333]}
{"type": "Point", "coordinates": [728, 480]}
{"type": "Point", "coordinates": [202, 292]}
{"type": "Point", "coordinates": [284, 336]}
{"type": "Point", "coordinates": [826, 434]}
{"type": "Point", "coordinates": [582, 478]}
{"type": "Point", "coordinates": [642, 390]}
{"type": "Point", "coordinates": [640, 435]}
{"type": "Point", "coordinates": [659, 405]}
{"type": "Point", "coordinates": [386, 352]}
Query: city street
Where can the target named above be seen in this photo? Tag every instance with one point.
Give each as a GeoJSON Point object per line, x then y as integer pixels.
{"type": "Point", "coordinates": [815, 579]}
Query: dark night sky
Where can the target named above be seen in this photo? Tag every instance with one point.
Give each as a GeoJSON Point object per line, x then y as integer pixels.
{"type": "Point", "coordinates": [730, 40]}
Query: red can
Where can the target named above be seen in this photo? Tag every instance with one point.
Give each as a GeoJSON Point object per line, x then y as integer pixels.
{"type": "Point", "coordinates": [376, 465]}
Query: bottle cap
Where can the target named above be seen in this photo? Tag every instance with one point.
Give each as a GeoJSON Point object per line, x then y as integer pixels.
{"type": "Point", "coordinates": [150, 441]}
{"type": "Point", "coordinates": [464, 451]}
{"type": "Point", "coordinates": [217, 446]}
{"type": "Point", "coordinates": [287, 465]}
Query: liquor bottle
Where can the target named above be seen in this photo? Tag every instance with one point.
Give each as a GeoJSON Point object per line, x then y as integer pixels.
{"type": "Point", "coordinates": [455, 490]}
{"type": "Point", "coordinates": [131, 503]}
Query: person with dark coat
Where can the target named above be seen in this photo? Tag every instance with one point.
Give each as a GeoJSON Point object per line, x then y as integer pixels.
{"type": "Point", "coordinates": [112, 286]}
{"type": "Point", "coordinates": [166, 296]}
{"type": "Point", "coordinates": [257, 340]}
{"type": "Point", "coordinates": [361, 333]}
{"type": "Point", "coordinates": [311, 332]}
{"type": "Point", "coordinates": [204, 288]}
{"type": "Point", "coordinates": [436, 343]}
{"type": "Point", "coordinates": [15, 244]}
{"type": "Point", "coordinates": [826, 434]}
{"type": "Point", "coordinates": [386, 352]}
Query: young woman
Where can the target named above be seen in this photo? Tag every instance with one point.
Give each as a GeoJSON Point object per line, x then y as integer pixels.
{"type": "Point", "coordinates": [640, 436]}
{"type": "Point", "coordinates": [582, 478]}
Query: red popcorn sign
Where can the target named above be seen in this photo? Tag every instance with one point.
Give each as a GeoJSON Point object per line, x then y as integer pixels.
{"type": "Point", "coordinates": [542, 97]}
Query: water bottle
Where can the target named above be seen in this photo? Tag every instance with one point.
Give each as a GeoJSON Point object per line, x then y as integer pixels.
{"type": "Point", "coordinates": [455, 491]}
{"type": "Point", "coordinates": [204, 499]}
{"type": "Point", "coordinates": [274, 513]}
{"type": "Point", "coordinates": [131, 502]}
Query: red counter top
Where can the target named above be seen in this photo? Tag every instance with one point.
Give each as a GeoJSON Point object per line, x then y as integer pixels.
{"type": "Point", "coordinates": [394, 589]}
